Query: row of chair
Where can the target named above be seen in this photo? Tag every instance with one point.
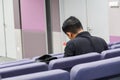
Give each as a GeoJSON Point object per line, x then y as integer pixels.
{"type": "Point", "coordinates": [29, 66]}
{"type": "Point", "coordinates": [15, 63]}
{"type": "Point", "coordinates": [108, 69]}
{"type": "Point", "coordinates": [114, 45]}
{"type": "Point", "coordinates": [110, 53]}
{"type": "Point", "coordinates": [63, 63]}
{"type": "Point", "coordinates": [23, 69]}
{"type": "Point", "coordinates": [107, 53]}
{"type": "Point", "coordinates": [68, 62]}
{"type": "Point", "coordinates": [102, 70]}
{"type": "Point", "coordinates": [46, 75]}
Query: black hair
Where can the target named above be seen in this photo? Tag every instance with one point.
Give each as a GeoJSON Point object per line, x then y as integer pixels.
{"type": "Point", "coordinates": [72, 24]}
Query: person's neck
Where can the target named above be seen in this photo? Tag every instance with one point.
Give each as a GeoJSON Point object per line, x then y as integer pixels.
{"type": "Point", "coordinates": [78, 32]}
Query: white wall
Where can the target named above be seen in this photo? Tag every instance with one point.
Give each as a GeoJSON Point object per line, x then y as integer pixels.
{"type": "Point", "coordinates": [2, 34]}
{"type": "Point", "coordinates": [97, 15]}
{"type": "Point", "coordinates": [75, 8]}
{"type": "Point", "coordinates": [114, 20]}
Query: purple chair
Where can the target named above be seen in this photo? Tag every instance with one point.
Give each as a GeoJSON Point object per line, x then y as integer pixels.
{"type": "Point", "coordinates": [116, 42]}
{"type": "Point", "coordinates": [115, 46]}
{"type": "Point", "coordinates": [23, 69]}
{"type": "Point", "coordinates": [103, 69]}
{"type": "Point", "coordinates": [68, 62]}
{"type": "Point", "coordinates": [110, 53]}
{"type": "Point", "coordinates": [16, 63]}
{"type": "Point", "coordinates": [58, 55]}
{"type": "Point", "coordinates": [46, 75]}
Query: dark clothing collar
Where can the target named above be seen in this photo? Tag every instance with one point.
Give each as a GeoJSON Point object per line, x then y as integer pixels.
{"type": "Point", "coordinates": [84, 33]}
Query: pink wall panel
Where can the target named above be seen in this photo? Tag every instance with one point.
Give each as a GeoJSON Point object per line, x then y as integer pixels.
{"type": "Point", "coordinates": [33, 15]}
{"type": "Point", "coordinates": [33, 19]}
{"type": "Point", "coordinates": [114, 39]}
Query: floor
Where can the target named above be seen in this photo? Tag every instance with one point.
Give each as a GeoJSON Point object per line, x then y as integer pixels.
{"type": "Point", "coordinates": [4, 59]}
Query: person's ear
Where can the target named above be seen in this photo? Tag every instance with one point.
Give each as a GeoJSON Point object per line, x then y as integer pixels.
{"type": "Point", "coordinates": [69, 34]}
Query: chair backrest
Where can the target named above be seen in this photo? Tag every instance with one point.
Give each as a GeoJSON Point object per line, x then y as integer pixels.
{"type": "Point", "coordinates": [110, 53]}
{"type": "Point", "coordinates": [23, 69]}
{"type": "Point", "coordinates": [116, 42]}
{"type": "Point", "coordinates": [115, 46]}
{"type": "Point", "coordinates": [46, 75]}
{"type": "Point", "coordinates": [16, 63]}
{"type": "Point", "coordinates": [9, 62]}
{"type": "Point", "coordinates": [68, 62]}
{"type": "Point", "coordinates": [96, 70]}
{"type": "Point", "coordinates": [58, 55]}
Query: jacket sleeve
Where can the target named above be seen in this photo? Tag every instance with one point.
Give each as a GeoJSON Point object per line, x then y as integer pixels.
{"type": "Point", "coordinates": [69, 49]}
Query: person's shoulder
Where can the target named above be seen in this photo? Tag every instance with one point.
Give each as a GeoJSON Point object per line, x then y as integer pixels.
{"type": "Point", "coordinates": [99, 38]}
{"type": "Point", "coordinates": [70, 41]}
{"type": "Point", "coordinates": [73, 40]}
{"type": "Point", "coordinates": [76, 40]}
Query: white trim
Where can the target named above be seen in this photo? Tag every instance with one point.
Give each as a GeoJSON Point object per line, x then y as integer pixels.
{"type": "Point", "coordinates": [46, 38]}
{"type": "Point", "coordinates": [9, 28]}
{"type": "Point", "coordinates": [19, 54]}
{"type": "Point", "coordinates": [2, 28]}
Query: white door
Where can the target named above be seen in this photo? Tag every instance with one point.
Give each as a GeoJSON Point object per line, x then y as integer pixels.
{"type": "Point", "coordinates": [10, 28]}
{"type": "Point", "coordinates": [2, 32]}
{"type": "Point", "coordinates": [8, 41]}
{"type": "Point", "coordinates": [97, 16]}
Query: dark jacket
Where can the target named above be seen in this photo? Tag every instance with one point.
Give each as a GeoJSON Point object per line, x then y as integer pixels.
{"type": "Point", "coordinates": [85, 43]}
